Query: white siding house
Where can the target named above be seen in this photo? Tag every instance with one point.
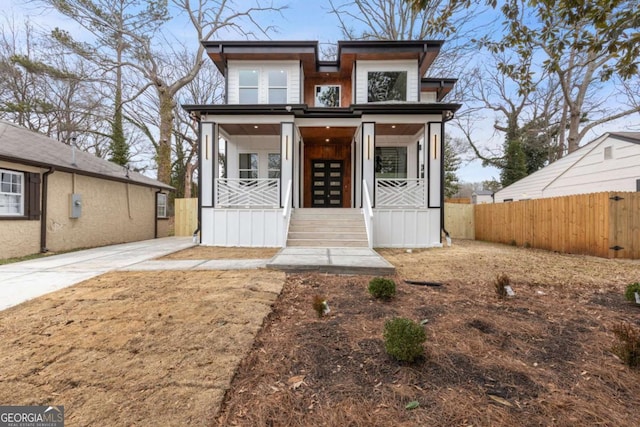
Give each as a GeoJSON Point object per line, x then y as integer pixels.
{"type": "Point", "coordinates": [608, 163]}
{"type": "Point", "coordinates": [363, 133]}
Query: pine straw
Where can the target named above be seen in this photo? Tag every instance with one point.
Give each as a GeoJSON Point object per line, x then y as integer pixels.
{"type": "Point", "coordinates": [540, 358]}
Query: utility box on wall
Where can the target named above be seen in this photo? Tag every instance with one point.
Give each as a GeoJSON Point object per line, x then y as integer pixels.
{"type": "Point", "coordinates": [76, 206]}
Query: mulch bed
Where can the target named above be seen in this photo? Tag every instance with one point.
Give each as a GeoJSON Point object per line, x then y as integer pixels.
{"type": "Point", "coordinates": [542, 357]}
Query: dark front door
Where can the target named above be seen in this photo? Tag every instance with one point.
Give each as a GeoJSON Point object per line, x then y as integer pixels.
{"type": "Point", "coordinates": [326, 183]}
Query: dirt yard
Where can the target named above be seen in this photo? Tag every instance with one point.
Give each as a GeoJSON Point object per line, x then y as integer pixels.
{"type": "Point", "coordinates": [134, 349]}
{"type": "Point", "coordinates": [541, 358]}
{"type": "Point", "coordinates": [161, 348]}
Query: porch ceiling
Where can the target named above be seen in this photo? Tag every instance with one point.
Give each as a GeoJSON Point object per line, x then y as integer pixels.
{"type": "Point", "coordinates": [402, 129]}
{"type": "Point", "coordinates": [251, 129]}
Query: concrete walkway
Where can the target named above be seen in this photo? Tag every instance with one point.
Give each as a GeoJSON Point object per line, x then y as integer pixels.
{"type": "Point", "coordinates": [22, 281]}
{"type": "Point", "coordinates": [331, 260]}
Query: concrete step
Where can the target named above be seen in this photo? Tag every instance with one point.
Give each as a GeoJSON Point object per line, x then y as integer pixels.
{"type": "Point", "coordinates": [327, 228]}
{"type": "Point", "coordinates": [337, 228]}
{"type": "Point", "coordinates": [305, 234]}
{"type": "Point", "coordinates": [328, 243]}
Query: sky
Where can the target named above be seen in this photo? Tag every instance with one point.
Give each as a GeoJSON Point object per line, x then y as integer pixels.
{"type": "Point", "coordinates": [311, 20]}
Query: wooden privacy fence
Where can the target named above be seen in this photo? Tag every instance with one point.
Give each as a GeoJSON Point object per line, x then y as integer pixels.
{"type": "Point", "coordinates": [601, 224]}
{"type": "Point", "coordinates": [186, 214]}
{"type": "Point", "coordinates": [458, 220]}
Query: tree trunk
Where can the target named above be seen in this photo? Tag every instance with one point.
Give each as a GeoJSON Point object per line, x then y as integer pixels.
{"type": "Point", "coordinates": [166, 126]}
{"type": "Point", "coordinates": [188, 176]}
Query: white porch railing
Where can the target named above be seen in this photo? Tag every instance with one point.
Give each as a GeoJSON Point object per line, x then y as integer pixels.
{"type": "Point", "coordinates": [286, 213]}
{"type": "Point", "coordinates": [368, 213]}
{"type": "Point", "coordinates": [400, 193]}
{"type": "Point", "coordinates": [237, 193]}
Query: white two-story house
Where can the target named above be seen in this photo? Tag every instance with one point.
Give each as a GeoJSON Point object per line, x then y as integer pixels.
{"type": "Point", "coordinates": [362, 134]}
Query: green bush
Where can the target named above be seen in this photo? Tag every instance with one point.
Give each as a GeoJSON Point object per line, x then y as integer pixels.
{"type": "Point", "coordinates": [631, 290]}
{"type": "Point", "coordinates": [628, 346]}
{"type": "Point", "coordinates": [380, 287]}
{"type": "Point", "coordinates": [403, 339]}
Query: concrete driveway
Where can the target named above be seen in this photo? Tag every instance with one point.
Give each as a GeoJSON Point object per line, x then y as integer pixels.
{"type": "Point", "coordinates": [22, 281]}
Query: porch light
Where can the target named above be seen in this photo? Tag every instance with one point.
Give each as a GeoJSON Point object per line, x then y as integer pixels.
{"type": "Point", "coordinates": [286, 147]}
{"type": "Point", "coordinates": [206, 147]}
{"type": "Point", "coordinates": [327, 140]}
{"type": "Point", "coordinates": [255, 126]}
{"type": "Point", "coordinates": [368, 147]}
{"type": "Point", "coordinates": [435, 147]}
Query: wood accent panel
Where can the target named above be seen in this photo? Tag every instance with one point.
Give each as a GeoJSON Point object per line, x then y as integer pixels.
{"type": "Point", "coordinates": [311, 82]}
{"type": "Point", "coordinates": [338, 150]}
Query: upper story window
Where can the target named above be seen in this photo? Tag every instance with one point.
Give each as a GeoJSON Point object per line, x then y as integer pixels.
{"type": "Point", "coordinates": [249, 84]}
{"type": "Point", "coordinates": [277, 86]}
{"type": "Point", "coordinates": [327, 96]}
{"type": "Point", "coordinates": [11, 193]}
{"type": "Point", "coordinates": [386, 86]}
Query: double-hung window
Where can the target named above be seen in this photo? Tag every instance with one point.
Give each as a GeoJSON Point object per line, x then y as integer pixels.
{"type": "Point", "coordinates": [248, 165]}
{"type": "Point", "coordinates": [249, 81]}
{"type": "Point", "coordinates": [274, 165]}
{"type": "Point", "coordinates": [161, 205]}
{"type": "Point", "coordinates": [277, 86]}
{"type": "Point", "coordinates": [12, 191]}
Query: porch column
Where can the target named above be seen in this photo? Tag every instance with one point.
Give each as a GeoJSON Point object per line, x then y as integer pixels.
{"type": "Point", "coordinates": [209, 162]}
{"type": "Point", "coordinates": [287, 159]}
{"type": "Point", "coordinates": [434, 155]}
{"type": "Point", "coordinates": [368, 159]}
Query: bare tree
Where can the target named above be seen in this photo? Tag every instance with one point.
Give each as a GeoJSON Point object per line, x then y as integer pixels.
{"type": "Point", "coordinates": [57, 98]}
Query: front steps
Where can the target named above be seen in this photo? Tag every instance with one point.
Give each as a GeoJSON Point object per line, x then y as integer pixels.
{"type": "Point", "coordinates": [327, 228]}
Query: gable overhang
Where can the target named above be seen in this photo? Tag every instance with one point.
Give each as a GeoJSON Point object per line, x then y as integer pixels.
{"type": "Point", "coordinates": [221, 52]}
{"type": "Point", "coordinates": [441, 87]}
{"type": "Point", "coordinates": [423, 51]}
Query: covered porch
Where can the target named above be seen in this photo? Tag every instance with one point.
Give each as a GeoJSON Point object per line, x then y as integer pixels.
{"type": "Point", "coordinates": [262, 167]}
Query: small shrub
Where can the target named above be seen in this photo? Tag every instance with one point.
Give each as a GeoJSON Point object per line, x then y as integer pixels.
{"type": "Point", "coordinates": [631, 290]}
{"type": "Point", "coordinates": [320, 305]}
{"type": "Point", "coordinates": [502, 280]}
{"type": "Point", "coordinates": [380, 287]}
{"type": "Point", "coordinates": [403, 339]}
{"type": "Point", "coordinates": [628, 347]}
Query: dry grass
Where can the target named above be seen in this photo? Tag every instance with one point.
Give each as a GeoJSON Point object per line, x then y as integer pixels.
{"type": "Point", "coordinates": [214, 252]}
{"type": "Point", "coordinates": [131, 348]}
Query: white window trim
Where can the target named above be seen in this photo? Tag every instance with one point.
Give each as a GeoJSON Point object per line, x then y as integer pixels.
{"type": "Point", "coordinates": [257, 169]}
{"type": "Point", "coordinates": [263, 82]}
{"type": "Point", "coordinates": [162, 202]}
{"type": "Point", "coordinates": [21, 194]}
{"type": "Point", "coordinates": [315, 94]}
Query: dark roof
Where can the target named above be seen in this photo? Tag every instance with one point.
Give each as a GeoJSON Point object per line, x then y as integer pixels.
{"type": "Point", "coordinates": [21, 145]}
{"type": "Point", "coordinates": [302, 110]}
{"type": "Point", "coordinates": [425, 51]}
{"type": "Point", "coordinates": [627, 136]}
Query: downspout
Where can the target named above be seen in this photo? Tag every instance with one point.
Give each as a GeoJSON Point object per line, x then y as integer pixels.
{"type": "Point", "coordinates": [447, 236]}
{"type": "Point", "coordinates": [155, 213]}
{"type": "Point", "coordinates": [43, 216]}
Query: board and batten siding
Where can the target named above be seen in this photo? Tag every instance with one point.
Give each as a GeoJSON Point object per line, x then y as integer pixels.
{"type": "Point", "coordinates": [258, 228]}
{"type": "Point", "coordinates": [583, 171]}
{"type": "Point", "coordinates": [364, 67]}
{"type": "Point", "coordinates": [293, 79]}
